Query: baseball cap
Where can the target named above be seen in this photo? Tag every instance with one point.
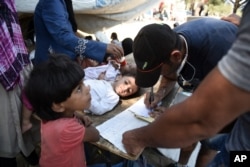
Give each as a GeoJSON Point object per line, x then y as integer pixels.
{"type": "Point", "coordinates": [152, 45]}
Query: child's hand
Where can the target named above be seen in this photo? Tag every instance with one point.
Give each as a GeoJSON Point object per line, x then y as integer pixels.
{"type": "Point", "coordinates": [115, 64]}
{"type": "Point", "coordinates": [102, 75]}
{"type": "Point", "coordinates": [86, 121]}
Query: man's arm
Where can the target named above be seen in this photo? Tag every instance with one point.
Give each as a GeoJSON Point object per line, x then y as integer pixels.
{"type": "Point", "coordinates": [208, 110]}
{"type": "Point", "coordinates": [166, 85]}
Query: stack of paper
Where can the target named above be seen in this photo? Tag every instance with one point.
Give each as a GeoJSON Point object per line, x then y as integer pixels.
{"type": "Point", "coordinates": [113, 128]}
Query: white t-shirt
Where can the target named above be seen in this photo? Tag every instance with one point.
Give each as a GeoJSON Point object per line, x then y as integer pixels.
{"type": "Point", "coordinates": [103, 96]}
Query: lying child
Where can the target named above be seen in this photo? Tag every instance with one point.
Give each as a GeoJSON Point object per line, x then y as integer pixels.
{"type": "Point", "coordinates": [57, 94]}
{"type": "Point", "coordinates": [106, 95]}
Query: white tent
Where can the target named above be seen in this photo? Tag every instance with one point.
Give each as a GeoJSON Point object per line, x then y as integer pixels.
{"type": "Point", "coordinates": [94, 15]}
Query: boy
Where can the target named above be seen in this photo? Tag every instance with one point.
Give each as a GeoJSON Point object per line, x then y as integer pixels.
{"type": "Point", "coordinates": [56, 92]}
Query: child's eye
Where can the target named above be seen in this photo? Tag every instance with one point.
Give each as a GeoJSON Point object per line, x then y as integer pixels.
{"type": "Point", "coordinates": [79, 88]}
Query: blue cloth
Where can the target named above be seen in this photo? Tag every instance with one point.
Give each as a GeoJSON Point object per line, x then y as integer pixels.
{"type": "Point", "coordinates": [54, 34]}
{"type": "Point", "coordinates": [208, 40]}
{"type": "Point", "coordinates": [222, 157]}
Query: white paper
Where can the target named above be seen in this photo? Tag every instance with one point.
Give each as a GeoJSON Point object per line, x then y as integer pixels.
{"type": "Point", "coordinates": [140, 109]}
{"type": "Point", "coordinates": [113, 128]}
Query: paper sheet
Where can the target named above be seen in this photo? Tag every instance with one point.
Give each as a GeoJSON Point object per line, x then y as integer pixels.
{"type": "Point", "coordinates": [113, 128]}
{"type": "Point", "coordinates": [140, 109]}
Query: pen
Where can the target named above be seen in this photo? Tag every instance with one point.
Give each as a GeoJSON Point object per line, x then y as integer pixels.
{"type": "Point", "coordinates": [151, 97]}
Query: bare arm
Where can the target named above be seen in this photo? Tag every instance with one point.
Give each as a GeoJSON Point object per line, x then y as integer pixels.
{"type": "Point", "coordinates": [166, 85]}
{"type": "Point", "coordinates": [208, 110]}
{"type": "Point", "coordinates": [91, 134]}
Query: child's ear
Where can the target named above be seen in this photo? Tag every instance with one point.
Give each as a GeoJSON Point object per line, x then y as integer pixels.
{"type": "Point", "coordinates": [118, 77]}
{"type": "Point", "coordinates": [58, 107]}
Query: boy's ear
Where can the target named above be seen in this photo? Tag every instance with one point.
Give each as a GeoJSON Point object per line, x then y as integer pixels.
{"type": "Point", "coordinates": [58, 107]}
{"type": "Point", "coordinates": [176, 56]}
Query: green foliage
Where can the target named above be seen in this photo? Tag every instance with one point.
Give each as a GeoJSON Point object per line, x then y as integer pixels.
{"type": "Point", "coordinates": [216, 2]}
{"type": "Point", "coordinates": [220, 10]}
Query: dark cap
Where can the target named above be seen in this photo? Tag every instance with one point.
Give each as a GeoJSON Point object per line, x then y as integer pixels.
{"type": "Point", "coordinates": [152, 46]}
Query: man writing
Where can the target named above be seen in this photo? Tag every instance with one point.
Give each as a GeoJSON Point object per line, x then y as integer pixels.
{"type": "Point", "coordinates": [206, 112]}
{"type": "Point", "coordinates": [186, 55]}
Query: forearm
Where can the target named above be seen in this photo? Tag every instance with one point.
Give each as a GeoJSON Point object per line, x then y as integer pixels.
{"type": "Point", "coordinates": [208, 110]}
{"type": "Point", "coordinates": [165, 87]}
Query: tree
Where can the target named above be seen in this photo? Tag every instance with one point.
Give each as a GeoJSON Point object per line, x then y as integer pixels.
{"type": "Point", "coordinates": [237, 4]}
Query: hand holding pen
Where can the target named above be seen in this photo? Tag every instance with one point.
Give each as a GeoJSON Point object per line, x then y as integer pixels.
{"type": "Point", "coordinates": [151, 97]}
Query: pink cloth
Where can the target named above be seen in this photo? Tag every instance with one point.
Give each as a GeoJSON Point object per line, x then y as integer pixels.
{"type": "Point", "coordinates": [13, 52]}
{"type": "Point", "coordinates": [62, 143]}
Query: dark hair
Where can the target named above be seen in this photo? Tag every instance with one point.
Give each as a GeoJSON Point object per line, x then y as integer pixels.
{"type": "Point", "coordinates": [127, 45]}
{"type": "Point", "coordinates": [52, 82]}
{"type": "Point", "coordinates": [114, 36]}
{"type": "Point", "coordinates": [89, 37]}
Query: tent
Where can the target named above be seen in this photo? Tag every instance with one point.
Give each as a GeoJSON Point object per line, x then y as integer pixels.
{"type": "Point", "coordinates": [95, 15]}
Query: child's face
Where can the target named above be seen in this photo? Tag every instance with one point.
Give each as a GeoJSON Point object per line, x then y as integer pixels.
{"type": "Point", "coordinates": [125, 86]}
{"type": "Point", "coordinates": [80, 98]}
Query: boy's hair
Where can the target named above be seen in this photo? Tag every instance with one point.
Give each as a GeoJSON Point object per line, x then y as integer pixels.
{"type": "Point", "coordinates": [52, 82]}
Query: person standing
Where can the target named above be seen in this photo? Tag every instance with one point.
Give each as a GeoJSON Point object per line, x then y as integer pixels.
{"type": "Point", "coordinates": [55, 34]}
{"type": "Point", "coordinates": [200, 8]}
{"type": "Point", "coordinates": [114, 39]}
{"type": "Point", "coordinates": [14, 71]}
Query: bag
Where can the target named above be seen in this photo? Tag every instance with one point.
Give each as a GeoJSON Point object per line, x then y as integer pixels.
{"type": "Point", "coordinates": [96, 157]}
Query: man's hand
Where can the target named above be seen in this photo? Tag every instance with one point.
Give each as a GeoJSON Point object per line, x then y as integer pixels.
{"type": "Point", "coordinates": [157, 112]}
{"type": "Point", "coordinates": [131, 144]}
{"type": "Point", "coordinates": [115, 50]}
{"type": "Point", "coordinates": [153, 103]}
{"type": "Point", "coordinates": [233, 18]}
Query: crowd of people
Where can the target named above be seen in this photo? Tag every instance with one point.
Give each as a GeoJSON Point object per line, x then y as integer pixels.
{"type": "Point", "coordinates": [207, 57]}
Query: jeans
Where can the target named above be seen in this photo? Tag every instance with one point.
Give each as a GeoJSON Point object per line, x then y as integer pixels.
{"type": "Point", "coordinates": [222, 157]}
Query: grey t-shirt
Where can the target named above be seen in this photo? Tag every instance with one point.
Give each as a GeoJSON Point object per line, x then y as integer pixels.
{"type": "Point", "coordinates": [235, 66]}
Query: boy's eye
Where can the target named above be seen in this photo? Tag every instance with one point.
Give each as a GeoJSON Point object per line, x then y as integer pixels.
{"type": "Point", "coordinates": [79, 88]}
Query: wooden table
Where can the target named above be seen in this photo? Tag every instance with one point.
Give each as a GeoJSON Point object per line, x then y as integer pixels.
{"type": "Point", "coordinates": [153, 156]}
{"type": "Point", "coordinates": [124, 104]}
